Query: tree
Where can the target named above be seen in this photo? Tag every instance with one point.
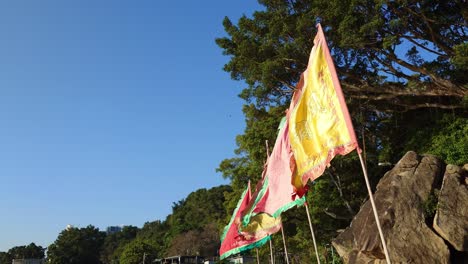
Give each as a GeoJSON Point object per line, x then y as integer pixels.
{"type": "Point", "coordinates": [77, 246]}
{"type": "Point", "coordinates": [395, 56]}
{"type": "Point", "coordinates": [194, 224]}
{"type": "Point", "coordinates": [5, 258]}
{"type": "Point", "coordinates": [115, 243]}
{"type": "Point", "coordinates": [24, 252]}
{"type": "Point", "coordinates": [138, 251]}
{"type": "Point", "coordinates": [204, 242]}
{"type": "Point", "coordinates": [157, 233]}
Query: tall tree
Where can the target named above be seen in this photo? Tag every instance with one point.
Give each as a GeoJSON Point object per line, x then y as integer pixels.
{"type": "Point", "coordinates": [31, 251]}
{"type": "Point", "coordinates": [194, 225]}
{"type": "Point", "coordinates": [157, 232]}
{"type": "Point", "coordinates": [138, 252]}
{"type": "Point", "coordinates": [5, 258]}
{"type": "Point", "coordinates": [77, 246]}
{"type": "Point", "coordinates": [115, 243]}
{"type": "Point", "coordinates": [397, 55]}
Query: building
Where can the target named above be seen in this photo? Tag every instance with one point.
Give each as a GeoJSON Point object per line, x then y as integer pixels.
{"type": "Point", "coordinates": [28, 261]}
{"type": "Point", "coordinates": [113, 229]}
{"type": "Point", "coordinates": [180, 260]}
{"type": "Point", "coordinates": [241, 259]}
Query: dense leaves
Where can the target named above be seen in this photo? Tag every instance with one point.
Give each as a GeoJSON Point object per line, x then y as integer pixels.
{"type": "Point", "coordinates": [138, 252]}
{"type": "Point", "coordinates": [31, 251]}
{"type": "Point", "coordinates": [193, 227]}
{"type": "Point", "coordinates": [24, 252]}
{"type": "Point", "coordinates": [5, 258]}
{"type": "Point", "coordinates": [77, 246]}
{"type": "Point", "coordinates": [114, 244]}
{"type": "Point", "coordinates": [393, 55]}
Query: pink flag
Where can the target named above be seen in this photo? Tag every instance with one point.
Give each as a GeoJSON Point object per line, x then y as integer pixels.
{"type": "Point", "coordinates": [232, 241]}
{"type": "Point", "coordinates": [275, 193]}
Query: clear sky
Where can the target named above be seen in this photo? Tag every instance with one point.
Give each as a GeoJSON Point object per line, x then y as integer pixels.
{"type": "Point", "coordinates": [110, 111]}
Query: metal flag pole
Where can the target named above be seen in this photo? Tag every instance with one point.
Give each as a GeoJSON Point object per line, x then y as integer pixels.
{"type": "Point", "coordinates": [374, 209]}
{"type": "Point", "coordinates": [271, 251]}
{"type": "Point", "coordinates": [312, 232]}
{"type": "Point", "coordinates": [284, 243]}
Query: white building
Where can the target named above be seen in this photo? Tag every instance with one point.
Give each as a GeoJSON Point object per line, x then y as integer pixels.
{"type": "Point", "coordinates": [28, 261]}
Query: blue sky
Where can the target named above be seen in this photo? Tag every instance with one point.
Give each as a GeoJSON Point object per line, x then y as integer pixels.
{"type": "Point", "coordinates": [110, 111]}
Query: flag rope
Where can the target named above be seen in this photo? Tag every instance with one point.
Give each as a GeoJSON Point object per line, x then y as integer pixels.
{"type": "Point", "coordinates": [374, 209]}
{"type": "Point", "coordinates": [312, 232]}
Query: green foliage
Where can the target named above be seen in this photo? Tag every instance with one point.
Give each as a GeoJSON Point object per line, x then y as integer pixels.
{"type": "Point", "coordinates": [446, 138]}
{"type": "Point", "coordinates": [460, 61]}
{"type": "Point", "coordinates": [115, 243]}
{"type": "Point", "coordinates": [77, 246]}
{"type": "Point", "coordinates": [5, 258]}
{"type": "Point", "coordinates": [194, 225]}
{"type": "Point", "coordinates": [368, 39]}
{"type": "Point", "coordinates": [29, 251]}
{"type": "Point", "coordinates": [157, 233]}
{"type": "Point", "coordinates": [137, 251]}
{"type": "Point", "coordinates": [430, 205]}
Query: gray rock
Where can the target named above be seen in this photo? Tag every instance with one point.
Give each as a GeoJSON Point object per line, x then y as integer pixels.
{"type": "Point", "coordinates": [451, 220]}
{"type": "Point", "coordinates": [399, 199]}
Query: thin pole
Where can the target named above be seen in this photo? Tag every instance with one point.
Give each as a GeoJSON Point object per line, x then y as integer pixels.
{"type": "Point", "coordinates": [374, 209]}
{"type": "Point", "coordinates": [333, 255]}
{"type": "Point", "coordinates": [284, 243]}
{"type": "Point", "coordinates": [258, 259]}
{"type": "Point", "coordinates": [312, 232]}
{"type": "Point", "coordinates": [267, 149]}
{"type": "Point", "coordinates": [271, 252]}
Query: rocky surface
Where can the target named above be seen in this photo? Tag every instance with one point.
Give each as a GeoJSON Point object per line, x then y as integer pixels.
{"type": "Point", "coordinates": [451, 219]}
{"type": "Point", "coordinates": [402, 199]}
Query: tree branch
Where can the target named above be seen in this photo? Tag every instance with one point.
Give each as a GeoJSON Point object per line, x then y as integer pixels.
{"type": "Point", "coordinates": [337, 183]}
{"type": "Point", "coordinates": [411, 39]}
{"type": "Point", "coordinates": [335, 216]}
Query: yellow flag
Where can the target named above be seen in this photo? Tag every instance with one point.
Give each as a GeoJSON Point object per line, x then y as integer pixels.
{"type": "Point", "coordinates": [320, 126]}
{"type": "Point", "coordinates": [261, 225]}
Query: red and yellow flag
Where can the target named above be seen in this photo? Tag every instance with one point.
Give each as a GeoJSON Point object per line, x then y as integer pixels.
{"type": "Point", "coordinates": [234, 240]}
{"type": "Point", "coordinates": [319, 126]}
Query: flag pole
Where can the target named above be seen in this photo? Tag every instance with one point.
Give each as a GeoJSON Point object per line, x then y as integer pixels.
{"type": "Point", "coordinates": [258, 259]}
{"type": "Point", "coordinates": [351, 130]}
{"type": "Point", "coordinates": [271, 246]}
{"type": "Point", "coordinates": [282, 231]}
{"type": "Point", "coordinates": [284, 243]}
{"type": "Point", "coordinates": [271, 251]}
{"type": "Point", "coordinates": [374, 209]}
{"type": "Point", "coordinates": [312, 232]}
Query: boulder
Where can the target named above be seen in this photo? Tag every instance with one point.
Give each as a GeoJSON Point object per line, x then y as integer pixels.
{"type": "Point", "coordinates": [451, 219]}
{"type": "Point", "coordinates": [399, 199]}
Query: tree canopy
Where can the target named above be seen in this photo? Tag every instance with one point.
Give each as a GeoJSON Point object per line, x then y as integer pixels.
{"type": "Point", "coordinates": [138, 252]}
{"type": "Point", "coordinates": [76, 246]}
{"type": "Point", "coordinates": [31, 251]}
{"type": "Point", "coordinates": [193, 227]}
{"type": "Point", "coordinates": [115, 243]}
{"type": "Point", "coordinates": [393, 55]}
